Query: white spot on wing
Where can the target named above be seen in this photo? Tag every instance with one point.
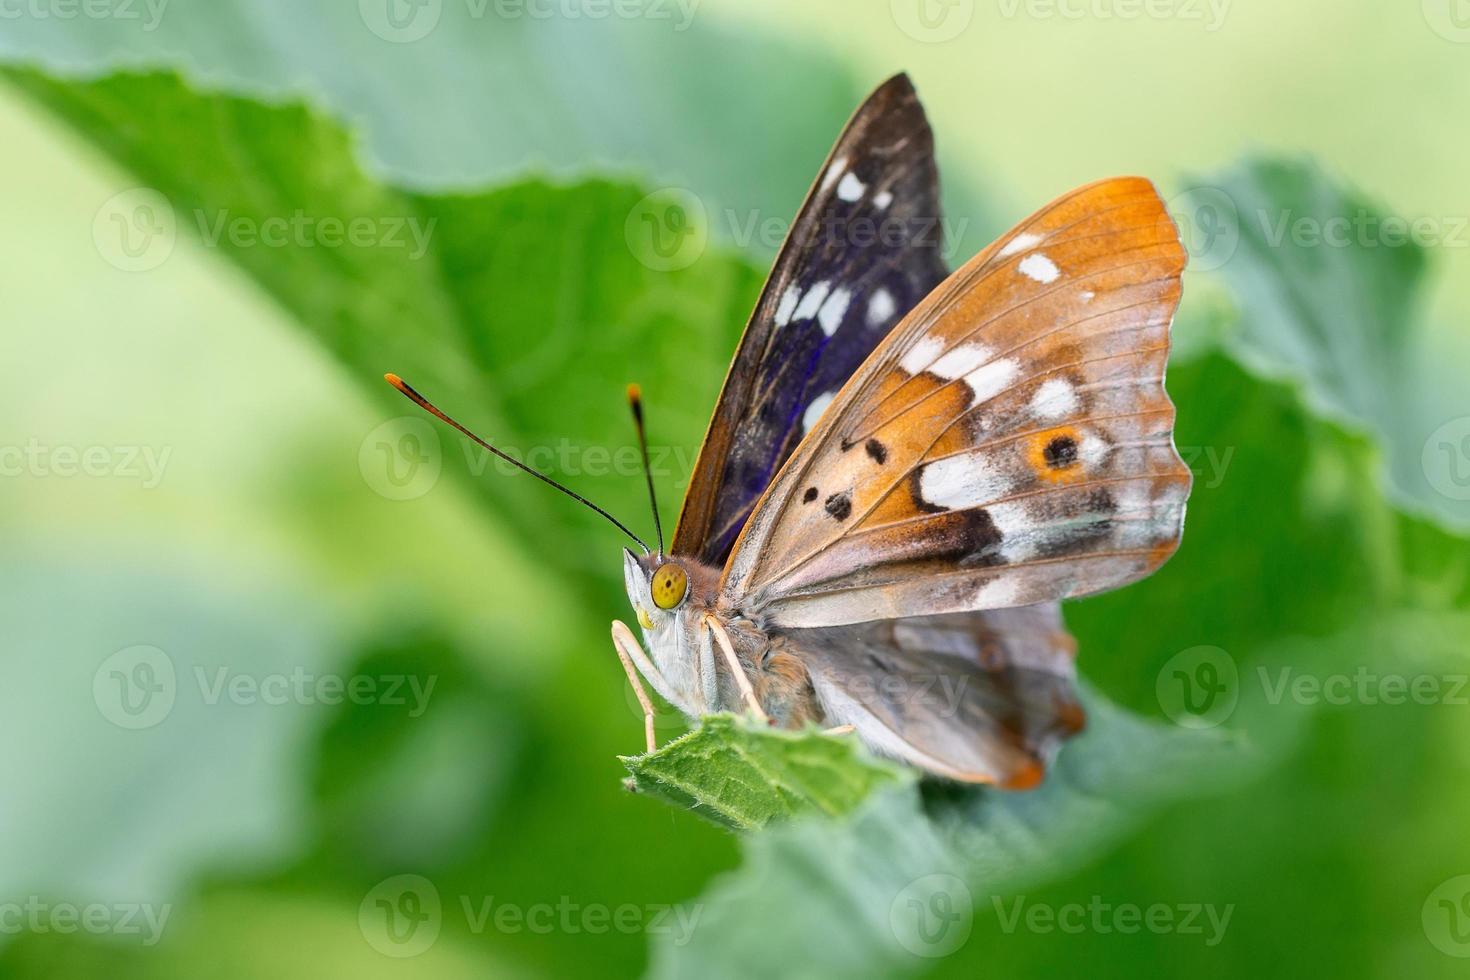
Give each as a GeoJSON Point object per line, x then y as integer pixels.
{"type": "Point", "coordinates": [958, 482]}
{"type": "Point", "coordinates": [787, 305]}
{"type": "Point", "coordinates": [1054, 399]}
{"type": "Point", "coordinates": [833, 172]}
{"type": "Point", "coordinates": [1018, 530]}
{"type": "Point", "coordinates": [851, 189]}
{"type": "Point", "coordinates": [881, 307]}
{"type": "Point", "coordinates": [813, 301]}
{"type": "Point", "coordinates": [814, 412]}
{"type": "Point", "coordinates": [1020, 243]}
{"type": "Point", "coordinates": [882, 199]}
{"type": "Point", "coordinates": [962, 360]}
{"type": "Point", "coordinates": [832, 311]}
{"type": "Point", "coordinates": [919, 355]}
{"type": "Point", "coordinates": [1092, 450]}
{"type": "Point", "coordinates": [1087, 295]}
{"type": "Point", "coordinates": [991, 379]}
{"type": "Point", "coordinates": [1039, 267]}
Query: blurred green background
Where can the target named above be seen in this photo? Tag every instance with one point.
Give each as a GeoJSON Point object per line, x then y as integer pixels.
{"type": "Point", "coordinates": [217, 520]}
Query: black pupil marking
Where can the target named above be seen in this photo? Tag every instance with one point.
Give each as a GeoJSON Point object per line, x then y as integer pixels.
{"type": "Point", "coordinates": [665, 588]}
{"type": "Point", "coordinates": [809, 496]}
{"type": "Point", "coordinates": [877, 450]}
{"type": "Point", "coordinates": [1061, 452]}
{"type": "Point", "coordinates": [839, 505]}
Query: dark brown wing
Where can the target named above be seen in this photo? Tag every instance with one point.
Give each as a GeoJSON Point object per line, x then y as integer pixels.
{"type": "Point", "coordinates": [864, 249]}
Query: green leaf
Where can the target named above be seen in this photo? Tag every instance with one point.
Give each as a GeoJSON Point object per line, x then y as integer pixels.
{"type": "Point", "coordinates": [484, 311]}
{"type": "Point", "coordinates": [519, 93]}
{"type": "Point", "coordinates": [849, 882]}
{"type": "Point", "coordinates": [745, 776]}
{"type": "Point", "coordinates": [135, 703]}
{"type": "Point", "coordinates": [1329, 287]}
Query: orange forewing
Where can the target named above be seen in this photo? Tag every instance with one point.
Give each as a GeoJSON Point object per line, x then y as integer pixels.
{"type": "Point", "coordinates": [1009, 443]}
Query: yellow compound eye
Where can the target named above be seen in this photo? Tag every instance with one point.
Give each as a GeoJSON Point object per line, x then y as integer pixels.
{"type": "Point", "coordinates": [669, 586]}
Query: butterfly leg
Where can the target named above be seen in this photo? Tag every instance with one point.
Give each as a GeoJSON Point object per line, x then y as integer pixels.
{"type": "Point", "coordinates": [722, 639]}
{"type": "Point", "coordinates": [840, 730]}
{"type": "Point", "coordinates": [624, 642]}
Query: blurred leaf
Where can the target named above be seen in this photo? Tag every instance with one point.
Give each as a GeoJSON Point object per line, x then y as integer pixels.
{"type": "Point", "coordinates": [521, 89]}
{"type": "Point", "coordinates": [485, 302]}
{"type": "Point", "coordinates": [745, 776]}
{"type": "Point", "coordinates": [850, 881]}
{"type": "Point", "coordinates": [1329, 286]}
{"type": "Point", "coordinates": [144, 760]}
{"type": "Point", "coordinates": [411, 783]}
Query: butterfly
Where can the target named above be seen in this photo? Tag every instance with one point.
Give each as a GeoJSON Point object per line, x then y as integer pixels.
{"type": "Point", "coordinates": [908, 469]}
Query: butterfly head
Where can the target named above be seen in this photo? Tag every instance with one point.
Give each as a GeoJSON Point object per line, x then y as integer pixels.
{"type": "Point", "coordinates": [658, 587]}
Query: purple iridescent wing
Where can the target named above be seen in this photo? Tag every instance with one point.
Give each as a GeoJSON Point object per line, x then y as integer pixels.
{"type": "Point", "coordinates": [864, 249]}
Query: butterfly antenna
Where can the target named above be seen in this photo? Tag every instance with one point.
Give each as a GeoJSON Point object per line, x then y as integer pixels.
{"type": "Point", "coordinates": [635, 402]}
{"type": "Point", "coordinates": [429, 407]}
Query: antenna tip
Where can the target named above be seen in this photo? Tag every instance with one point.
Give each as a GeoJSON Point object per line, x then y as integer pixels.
{"type": "Point", "coordinates": [401, 385]}
{"type": "Point", "coordinates": [635, 394]}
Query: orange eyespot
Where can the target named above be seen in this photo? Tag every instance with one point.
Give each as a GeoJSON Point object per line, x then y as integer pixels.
{"type": "Point", "coordinates": [669, 586]}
